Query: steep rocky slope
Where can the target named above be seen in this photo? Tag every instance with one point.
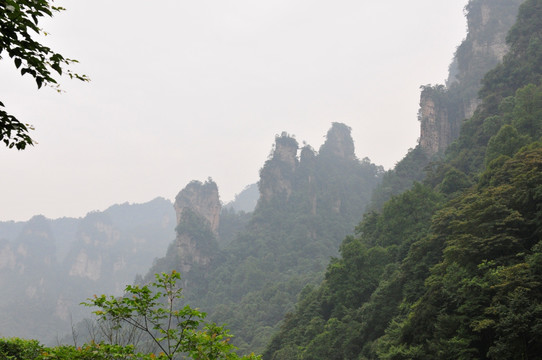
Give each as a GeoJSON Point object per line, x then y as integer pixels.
{"type": "Point", "coordinates": [443, 108]}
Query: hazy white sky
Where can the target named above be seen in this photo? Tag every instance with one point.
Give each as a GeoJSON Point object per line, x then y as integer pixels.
{"type": "Point", "coordinates": [184, 90]}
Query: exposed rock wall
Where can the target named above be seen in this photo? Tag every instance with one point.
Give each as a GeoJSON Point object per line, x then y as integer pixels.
{"type": "Point", "coordinates": [286, 151]}
{"type": "Point", "coordinates": [197, 206]}
{"type": "Point", "coordinates": [85, 266]}
{"type": "Point", "coordinates": [277, 175]}
{"type": "Point", "coordinates": [203, 199]}
{"type": "Point", "coordinates": [339, 142]}
{"type": "Point", "coordinates": [488, 23]}
{"type": "Point", "coordinates": [284, 172]}
{"type": "Point", "coordinates": [442, 110]}
{"type": "Point", "coordinates": [436, 131]}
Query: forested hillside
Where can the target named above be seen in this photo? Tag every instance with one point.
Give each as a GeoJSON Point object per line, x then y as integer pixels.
{"type": "Point", "coordinates": [451, 268]}
{"type": "Point", "coordinates": [308, 202]}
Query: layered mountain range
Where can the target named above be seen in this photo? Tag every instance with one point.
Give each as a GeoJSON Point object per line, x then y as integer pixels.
{"type": "Point", "coordinates": [48, 267]}
{"type": "Point", "coordinates": [445, 262]}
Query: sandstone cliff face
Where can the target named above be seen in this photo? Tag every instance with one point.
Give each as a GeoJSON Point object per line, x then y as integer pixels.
{"type": "Point", "coordinates": [277, 175]}
{"type": "Point", "coordinates": [339, 142]}
{"type": "Point", "coordinates": [485, 46]}
{"type": "Point", "coordinates": [90, 257]}
{"type": "Point", "coordinates": [198, 209]}
{"type": "Point", "coordinates": [203, 199]}
{"type": "Point", "coordinates": [436, 131]}
{"type": "Point", "coordinates": [286, 151]}
{"type": "Point", "coordinates": [442, 110]}
{"type": "Point", "coordinates": [85, 266]}
{"type": "Point", "coordinates": [284, 173]}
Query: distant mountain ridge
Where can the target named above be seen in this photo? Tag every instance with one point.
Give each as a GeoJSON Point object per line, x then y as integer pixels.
{"type": "Point", "coordinates": [246, 200]}
{"type": "Point", "coordinates": [47, 267]}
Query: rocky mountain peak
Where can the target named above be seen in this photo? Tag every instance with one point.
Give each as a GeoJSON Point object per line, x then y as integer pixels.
{"type": "Point", "coordinates": [276, 176]}
{"type": "Point", "coordinates": [201, 198]}
{"type": "Point", "coordinates": [198, 216]}
{"type": "Point", "coordinates": [286, 150]}
{"type": "Point", "coordinates": [339, 142]}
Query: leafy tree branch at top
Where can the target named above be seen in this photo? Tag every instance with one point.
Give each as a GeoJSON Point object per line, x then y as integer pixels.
{"type": "Point", "coordinates": [19, 27]}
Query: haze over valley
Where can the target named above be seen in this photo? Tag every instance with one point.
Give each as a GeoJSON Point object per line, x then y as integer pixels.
{"type": "Point", "coordinates": [188, 90]}
{"type": "Point", "coordinates": [286, 193]}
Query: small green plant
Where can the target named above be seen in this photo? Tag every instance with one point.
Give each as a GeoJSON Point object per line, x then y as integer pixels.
{"type": "Point", "coordinates": [176, 332]}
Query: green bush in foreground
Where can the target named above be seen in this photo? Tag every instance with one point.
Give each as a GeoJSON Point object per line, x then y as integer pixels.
{"type": "Point", "coordinates": [22, 349]}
